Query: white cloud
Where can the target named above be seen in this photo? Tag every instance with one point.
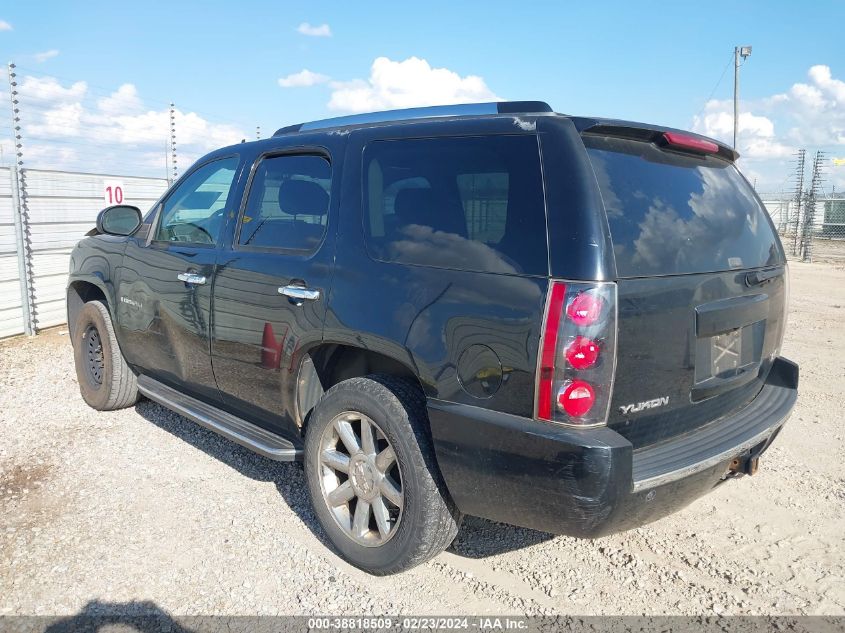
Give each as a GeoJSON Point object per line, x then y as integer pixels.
{"type": "Point", "coordinates": [835, 88]}
{"type": "Point", "coordinates": [49, 89]}
{"type": "Point", "coordinates": [43, 57]}
{"type": "Point", "coordinates": [322, 30]}
{"type": "Point", "coordinates": [302, 79]}
{"type": "Point", "coordinates": [5, 26]}
{"type": "Point", "coordinates": [117, 132]}
{"type": "Point", "coordinates": [124, 100]}
{"type": "Point", "coordinates": [756, 132]}
{"type": "Point", "coordinates": [817, 109]}
{"type": "Point", "coordinates": [63, 120]}
{"type": "Point", "coordinates": [404, 84]}
{"type": "Point", "coordinates": [810, 114]}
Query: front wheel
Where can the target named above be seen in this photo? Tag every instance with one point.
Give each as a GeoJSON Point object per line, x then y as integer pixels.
{"type": "Point", "coordinates": [106, 382]}
{"type": "Point", "coordinates": [372, 475]}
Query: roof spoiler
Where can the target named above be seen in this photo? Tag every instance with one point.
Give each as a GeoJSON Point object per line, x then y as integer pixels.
{"type": "Point", "coordinates": [661, 137]}
{"type": "Point", "coordinates": [408, 114]}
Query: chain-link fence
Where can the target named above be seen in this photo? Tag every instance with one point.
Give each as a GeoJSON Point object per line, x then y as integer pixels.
{"type": "Point", "coordinates": [814, 232]}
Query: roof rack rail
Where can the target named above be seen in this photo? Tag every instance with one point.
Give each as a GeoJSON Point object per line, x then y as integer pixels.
{"type": "Point", "coordinates": [462, 109]}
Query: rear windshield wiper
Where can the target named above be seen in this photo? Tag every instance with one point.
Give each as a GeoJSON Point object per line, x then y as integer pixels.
{"type": "Point", "coordinates": [759, 277]}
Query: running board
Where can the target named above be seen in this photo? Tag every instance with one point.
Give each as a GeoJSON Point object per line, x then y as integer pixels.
{"type": "Point", "coordinates": [231, 427]}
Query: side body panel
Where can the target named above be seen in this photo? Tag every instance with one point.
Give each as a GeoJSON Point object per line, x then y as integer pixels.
{"type": "Point", "coordinates": [95, 260]}
{"type": "Point", "coordinates": [579, 239]}
{"type": "Point", "coordinates": [259, 336]}
{"type": "Point", "coordinates": [428, 318]}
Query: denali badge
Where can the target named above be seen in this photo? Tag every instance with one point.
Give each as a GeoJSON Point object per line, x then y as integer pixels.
{"type": "Point", "coordinates": [648, 404]}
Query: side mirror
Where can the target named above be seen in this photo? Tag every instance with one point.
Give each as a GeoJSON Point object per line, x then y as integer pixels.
{"type": "Point", "coordinates": [120, 219]}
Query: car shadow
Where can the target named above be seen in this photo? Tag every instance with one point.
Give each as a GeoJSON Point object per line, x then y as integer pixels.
{"type": "Point", "coordinates": [144, 616]}
{"type": "Point", "coordinates": [147, 617]}
{"type": "Point", "coordinates": [477, 538]}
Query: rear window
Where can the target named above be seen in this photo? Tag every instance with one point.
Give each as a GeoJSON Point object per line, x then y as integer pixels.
{"type": "Point", "coordinates": [467, 203]}
{"type": "Point", "coordinates": [671, 213]}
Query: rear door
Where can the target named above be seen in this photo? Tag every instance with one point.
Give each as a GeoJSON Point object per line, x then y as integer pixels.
{"type": "Point", "coordinates": [701, 283]}
{"type": "Point", "coordinates": [272, 285]}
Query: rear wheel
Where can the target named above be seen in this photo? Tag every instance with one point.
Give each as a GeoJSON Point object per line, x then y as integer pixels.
{"type": "Point", "coordinates": [105, 380]}
{"type": "Point", "coordinates": [372, 475]}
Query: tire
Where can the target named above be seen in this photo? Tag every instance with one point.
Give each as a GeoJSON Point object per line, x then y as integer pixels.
{"type": "Point", "coordinates": [105, 380]}
{"type": "Point", "coordinates": [424, 522]}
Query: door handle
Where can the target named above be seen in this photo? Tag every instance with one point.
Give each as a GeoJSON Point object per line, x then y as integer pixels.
{"type": "Point", "coordinates": [191, 278]}
{"type": "Point", "coordinates": [300, 293]}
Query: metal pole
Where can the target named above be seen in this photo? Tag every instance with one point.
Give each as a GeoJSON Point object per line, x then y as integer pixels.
{"type": "Point", "coordinates": [166, 163]}
{"type": "Point", "coordinates": [736, 92]}
{"type": "Point", "coordinates": [173, 141]}
{"type": "Point", "coordinates": [19, 211]}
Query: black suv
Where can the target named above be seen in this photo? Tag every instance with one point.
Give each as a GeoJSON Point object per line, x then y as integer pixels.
{"type": "Point", "coordinates": [570, 324]}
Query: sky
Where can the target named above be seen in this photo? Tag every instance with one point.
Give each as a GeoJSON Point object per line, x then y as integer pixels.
{"type": "Point", "coordinates": [96, 78]}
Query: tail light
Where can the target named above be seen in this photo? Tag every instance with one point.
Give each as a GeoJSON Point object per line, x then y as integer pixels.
{"type": "Point", "coordinates": [577, 354]}
{"type": "Point", "coordinates": [685, 141]}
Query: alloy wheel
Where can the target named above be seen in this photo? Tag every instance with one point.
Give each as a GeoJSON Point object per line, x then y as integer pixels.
{"type": "Point", "coordinates": [360, 479]}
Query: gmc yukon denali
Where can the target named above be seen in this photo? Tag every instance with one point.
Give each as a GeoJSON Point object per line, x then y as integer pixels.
{"type": "Point", "coordinates": [564, 323]}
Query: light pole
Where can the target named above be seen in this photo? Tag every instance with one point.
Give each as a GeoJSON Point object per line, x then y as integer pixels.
{"type": "Point", "coordinates": [744, 52]}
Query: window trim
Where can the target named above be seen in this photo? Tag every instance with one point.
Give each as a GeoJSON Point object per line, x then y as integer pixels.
{"type": "Point", "coordinates": [368, 143]}
{"type": "Point", "coordinates": [159, 211]}
{"type": "Point", "coordinates": [318, 151]}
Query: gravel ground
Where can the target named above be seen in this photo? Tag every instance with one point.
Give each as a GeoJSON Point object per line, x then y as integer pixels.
{"type": "Point", "coordinates": [141, 507]}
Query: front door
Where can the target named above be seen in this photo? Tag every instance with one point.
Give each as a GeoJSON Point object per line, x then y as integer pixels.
{"type": "Point", "coordinates": [271, 287]}
{"type": "Point", "coordinates": [164, 298]}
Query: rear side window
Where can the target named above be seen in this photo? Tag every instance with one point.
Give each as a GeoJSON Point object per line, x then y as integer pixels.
{"type": "Point", "coordinates": [671, 213]}
{"type": "Point", "coordinates": [467, 203]}
{"type": "Point", "coordinates": [287, 203]}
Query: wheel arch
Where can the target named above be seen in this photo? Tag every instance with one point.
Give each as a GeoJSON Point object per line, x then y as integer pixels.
{"type": "Point", "coordinates": [327, 364]}
{"type": "Point", "coordinates": [79, 292]}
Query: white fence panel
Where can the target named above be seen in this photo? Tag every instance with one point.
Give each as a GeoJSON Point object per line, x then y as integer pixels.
{"type": "Point", "coordinates": [11, 312]}
{"type": "Point", "coordinates": [61, 207]}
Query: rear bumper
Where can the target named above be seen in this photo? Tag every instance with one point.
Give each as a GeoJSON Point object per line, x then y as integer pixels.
{"type": "Point", "coordinates": [591, 482]}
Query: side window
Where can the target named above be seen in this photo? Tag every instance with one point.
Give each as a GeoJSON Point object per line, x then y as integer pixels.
{"type": "Point", "coordinates": [288, 203]}
{"type": "Point", "coordinates": [468, 203]}
{"type": "Point", "coordinates": [194, 212]}
{"type": "Point", "coordinates": [484, 197]}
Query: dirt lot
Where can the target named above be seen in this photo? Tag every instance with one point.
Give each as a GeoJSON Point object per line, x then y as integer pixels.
{"type": "Point", "coordinates": [141, 507]}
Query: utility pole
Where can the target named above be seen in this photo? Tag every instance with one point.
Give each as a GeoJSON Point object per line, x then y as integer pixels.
{"type": "Point", "coordinates": [795, 220]}
{"type": "Point", "coordinates": [744, 52]}
{"type": "Point", "coordinates": [808, 221]}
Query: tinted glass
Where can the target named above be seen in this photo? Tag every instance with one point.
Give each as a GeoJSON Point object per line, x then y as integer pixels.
{"type": "Point", "coordinates": [671, 213]}
{"type": "Point", "coordinates": [121, 220]}
{"type": "Point", "coordinates": [288, 203]}
{"type": "Point", "coordinates": [470, 203]}
{"type": "Point", "coordinates": [194, 212]}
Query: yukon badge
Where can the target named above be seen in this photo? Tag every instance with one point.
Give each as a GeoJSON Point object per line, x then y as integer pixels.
{"type": "Point", "coordinates": [641, 406]}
